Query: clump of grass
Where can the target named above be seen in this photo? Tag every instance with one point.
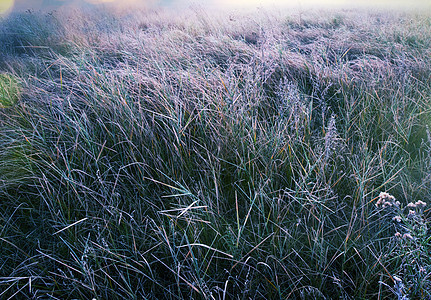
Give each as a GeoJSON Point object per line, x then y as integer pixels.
{"type": "Point", "coordinates": [10, 90]}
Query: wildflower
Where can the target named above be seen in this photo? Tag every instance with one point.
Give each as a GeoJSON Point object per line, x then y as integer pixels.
{"type": "Point", "coordinates": [411, 205]}
{"type": "Point", "coordinates": [407, 236]}
{"type": "Point", "coordinates": [387, 204]}
{"type": "Point", "coordinates": [396, 219]}
{"type": "Point", "coordinates": [386, 200]}
{"type": "Point", "coordinates": [420, 204]}
{"type": "Point", "coordinates": [386, 196]}
{"type": "Point", "coordinates": [398, 235]}
{"type": "Point", "coordinates": [379, 202]}
{"type": "Point", "coordinates": [411, 213]}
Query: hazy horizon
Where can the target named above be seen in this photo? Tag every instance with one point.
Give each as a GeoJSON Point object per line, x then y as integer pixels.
{"type": "Point", "coordinates": [22, 5]}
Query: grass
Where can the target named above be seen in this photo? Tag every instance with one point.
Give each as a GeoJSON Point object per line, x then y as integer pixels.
{"type": "Point", "coordinates": [215, 157]}
{"type": "Point", "coordinates": [9, 90]}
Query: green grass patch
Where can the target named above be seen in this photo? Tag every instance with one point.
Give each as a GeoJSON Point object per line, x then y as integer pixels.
{"type": "Point", "coordinates": [10, 90]}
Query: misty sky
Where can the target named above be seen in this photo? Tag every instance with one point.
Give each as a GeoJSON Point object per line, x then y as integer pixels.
{"type": "Point", "coordinates": [40, 4]}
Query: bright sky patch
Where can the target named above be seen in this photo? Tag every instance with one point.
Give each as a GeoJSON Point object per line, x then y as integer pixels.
{"type": "Point", "coordinates": [6, 6]}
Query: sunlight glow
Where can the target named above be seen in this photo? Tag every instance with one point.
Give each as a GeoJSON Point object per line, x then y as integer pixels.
{"type": "Point", "coordinates": [5, 6]}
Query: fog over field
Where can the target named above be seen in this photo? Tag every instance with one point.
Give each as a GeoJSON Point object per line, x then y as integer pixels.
{"type": "Point", "coordinates": [8, 5]}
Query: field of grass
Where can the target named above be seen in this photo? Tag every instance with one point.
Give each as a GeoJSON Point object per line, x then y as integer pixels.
{"type": "Point", "coordinates": [207, 156]}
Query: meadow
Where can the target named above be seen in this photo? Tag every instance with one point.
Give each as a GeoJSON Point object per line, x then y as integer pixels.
{"type": "Point", "coordinates": [264, 155]}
